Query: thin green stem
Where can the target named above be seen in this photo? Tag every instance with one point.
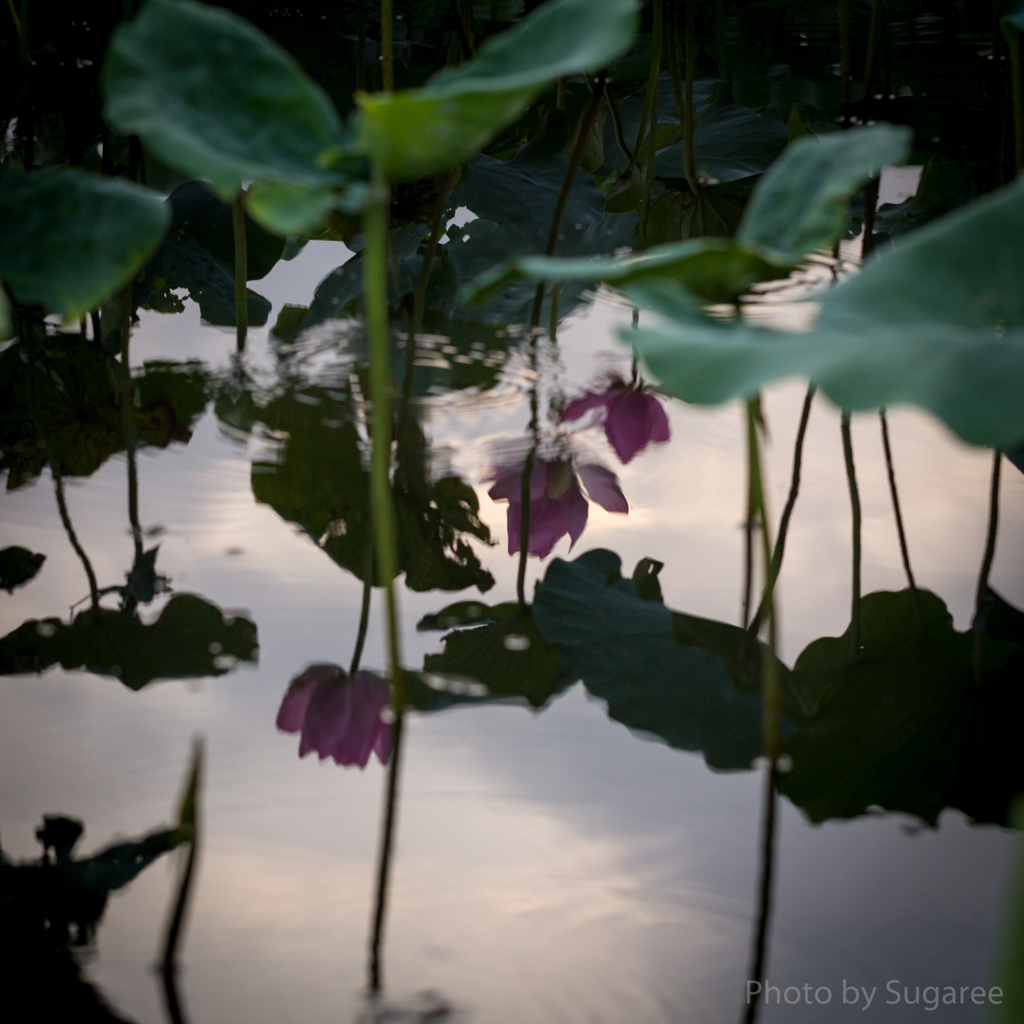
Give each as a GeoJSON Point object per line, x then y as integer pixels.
{"type": "Point", "coordinates": [617, 125]}
{"type": "Point", "coordinates": [387, 48]}
{"type": "Point", "coordinates": [769, 673]}
{"type": "Point", "coordinates": [851, 480]}
{"type": "Point", "coordinates": [241, 270]}
{"type": "Point", "coordinates": [384, 859]}
{"type": "Point", "coordinates": [382, 501]}
{"type": "Point", "coordinates": [587, 127]}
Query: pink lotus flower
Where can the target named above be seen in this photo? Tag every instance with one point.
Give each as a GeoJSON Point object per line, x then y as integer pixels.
{"type": "Point", "coordinates": [557, 503]}
{"type": "Point", "coordinates": [633, 418]}
{"type": "Point", "coordinates": [338, 716]}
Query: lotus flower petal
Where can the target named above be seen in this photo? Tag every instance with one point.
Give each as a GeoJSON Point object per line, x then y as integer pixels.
{"type": "Point", "coordinates": [603, 487]}
{"type": "Point", "coordinates": [635, 419]}
{"type": "Point", "coordinates": [293, 708]}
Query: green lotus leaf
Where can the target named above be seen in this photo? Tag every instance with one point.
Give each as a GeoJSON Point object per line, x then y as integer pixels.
{"type": "Point", "coordinates": [69, 240]}
{"type": "Point", "coordinates": [211, 95]}
{"type": "Point", "coordinates": [422, 131]}
{"type": "Point", "coordinates": [801, 203]}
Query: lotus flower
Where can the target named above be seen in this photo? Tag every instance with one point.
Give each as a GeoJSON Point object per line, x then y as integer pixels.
{"type": "Point", "coordinates": [633, 418]}
{"type": "Point", "coordinates": [338, 716]}
{"type": "Point", "coordinates": [557, 503]}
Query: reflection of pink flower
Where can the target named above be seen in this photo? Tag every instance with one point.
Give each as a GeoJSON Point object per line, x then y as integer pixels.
{"type": "Point", "coordinates": [338, 716]}
{"type": "Point", "coordinates": [557, 504]}
{"type": "Point", "coordinates": [633, 418]}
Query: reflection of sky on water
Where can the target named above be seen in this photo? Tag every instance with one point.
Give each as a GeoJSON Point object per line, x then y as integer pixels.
{"type": "Point", "coordinates": [550, 867]}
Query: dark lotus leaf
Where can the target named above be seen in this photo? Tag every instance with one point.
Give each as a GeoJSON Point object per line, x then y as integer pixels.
{"type": "Point", "coordinates": [191, 639]}
{"type": "Point", "coordinates": [199, 213]}
{"type": "Point", "coordinates": [18, 566]}
{"type": "Point", "coordinates": [78, 402]}
{"type": "Point", "coordinates": [714, 212]}
{"type": "Point", "coordinates": [508, 656]}
{"type": "Point", "coordinates": [647, 666]}
{"type": "Point", "coordinates": [907, 727]}
{"type": "Point", "coordinates": [319, 482]}
{"type": "Point", "coordinates": [181, 262]}
{"type": "Point", "coordinates": [729, 141]}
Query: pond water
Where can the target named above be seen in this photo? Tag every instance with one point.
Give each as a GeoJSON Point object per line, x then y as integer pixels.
{"type": "Point", "coordinates": [549, 863]}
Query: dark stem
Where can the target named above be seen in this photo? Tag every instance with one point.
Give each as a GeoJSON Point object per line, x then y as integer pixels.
{"type": "Point", "coordinates": [175, 1013]}
{"type": "Point", "coordinates": [983, 600]}
{"type": "Point", "coordinates": [844, 57]}
{"type": "Point", "coordinates": [787, 513]}
{"type": "Point", "coordinates": [851, 480]}
{"type": "Point", "coordinates": [58, 486]}
{"type": "Point", "coordinates": [524, 528]}
{"type": "Point", "coordinates": [652, 145]}
{"type": "Point", "coordinates": [760, 950]}
{"type": "Point", "coordinates": [691, 121]}
{"type": "Point", "coordinates": [617, 125]}
{"type": "Point", "coordinates": [422, 280]}
{"type": "Point", "coordinates": [904, 550]}
{"type": "Point", "coordinates": [748, 554]}
{"type": "Point", "coordinates": [387, 50]}
{"type": "Point", "coordinates": [128, 423]}
{"type": "Point", "coordinates": [463, 29]}
{"type": "Point", "coordinates": [870, 206]}
{"type": "Point", "coordinates": [1013, 41]}
{"type": "Point", "coordinates": [384, 863]}
{"type": "Point", "coordinates": [25, 332]}
{"type": "Point", "coordinates": [723, 58]}
{"type": "Point", "coordinates": [364, 611]}
{"type": "Point", "coordinates": [587, 127]}
{"type": "Point", "coordinates": [993, 526]}
{"type": "Point", "coordinates": [869, 60]}
{"type": "Point", "coordinates": [361, 48]}
{"type": "Point", "coordinates": [241, 270]}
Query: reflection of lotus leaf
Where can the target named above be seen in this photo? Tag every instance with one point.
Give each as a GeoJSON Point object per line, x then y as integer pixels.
{"type": "Point", "coordinates": [18, 566]}
{"type": "Point", "coordinates": [673, 676]}
{"type": "Point", "coordinates": [907, 728]}
{"type": "Point", "coordinates": [191, 638]}
{"type": "Point", "coordinates": [319, 482]}
{"type": "Point", "coordinates": [77, 400]}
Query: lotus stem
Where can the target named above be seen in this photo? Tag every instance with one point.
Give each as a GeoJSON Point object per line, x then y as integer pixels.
{"type": "Point", "coordinates": [723, 57]}
{"type": "Point", "coordinates": [690, 124]}
{"type": "Point", "coordinates": [652, 105]}
{"type": "Point", "coordinates": [382, 501]}
{"type": "Point", "coordinates": [844, 57]}
{"type": "Point", "coordinates": [904, 550]}
{"type": "Point", "coordinates": [364, 610]}
{"type": "Point", "coordinates": [361, 48]}
{"type": "Point", "coordinates": [524, 528]}
{"type": "Point", "coordinates": [769, 679]}
{"type": "Point", "coordinates": [787, 512]}
{"type": "Point", "coordinates": [617, 125]}
{"type": "Point", "coordinates": [760, 950]}
{"type": "Point", "coordinates": [984, 595]}
{"type": "Point", "coordinates": [465, 35]}
{"type": "Point", "coordinates": [1013, 45]}
{"type": "Point", "coordinates": [128, 428]}
{"type": "Point", "coordinates": [419, 301]}
{"type": "Point", "coordinates": [25, 332]}
{"type": "Point", "coordinates": [586, 128]}
{"type": "Point", "coordinates": [384, 863]}
{"type": "Point", "coordinates": [851, 480]}
{"type": "Point", "coordinates": [190, 804]}
{"type": "Point", "coordinates": [241, 270]}
{"type": "Point", "coordinates": [387, 49]}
